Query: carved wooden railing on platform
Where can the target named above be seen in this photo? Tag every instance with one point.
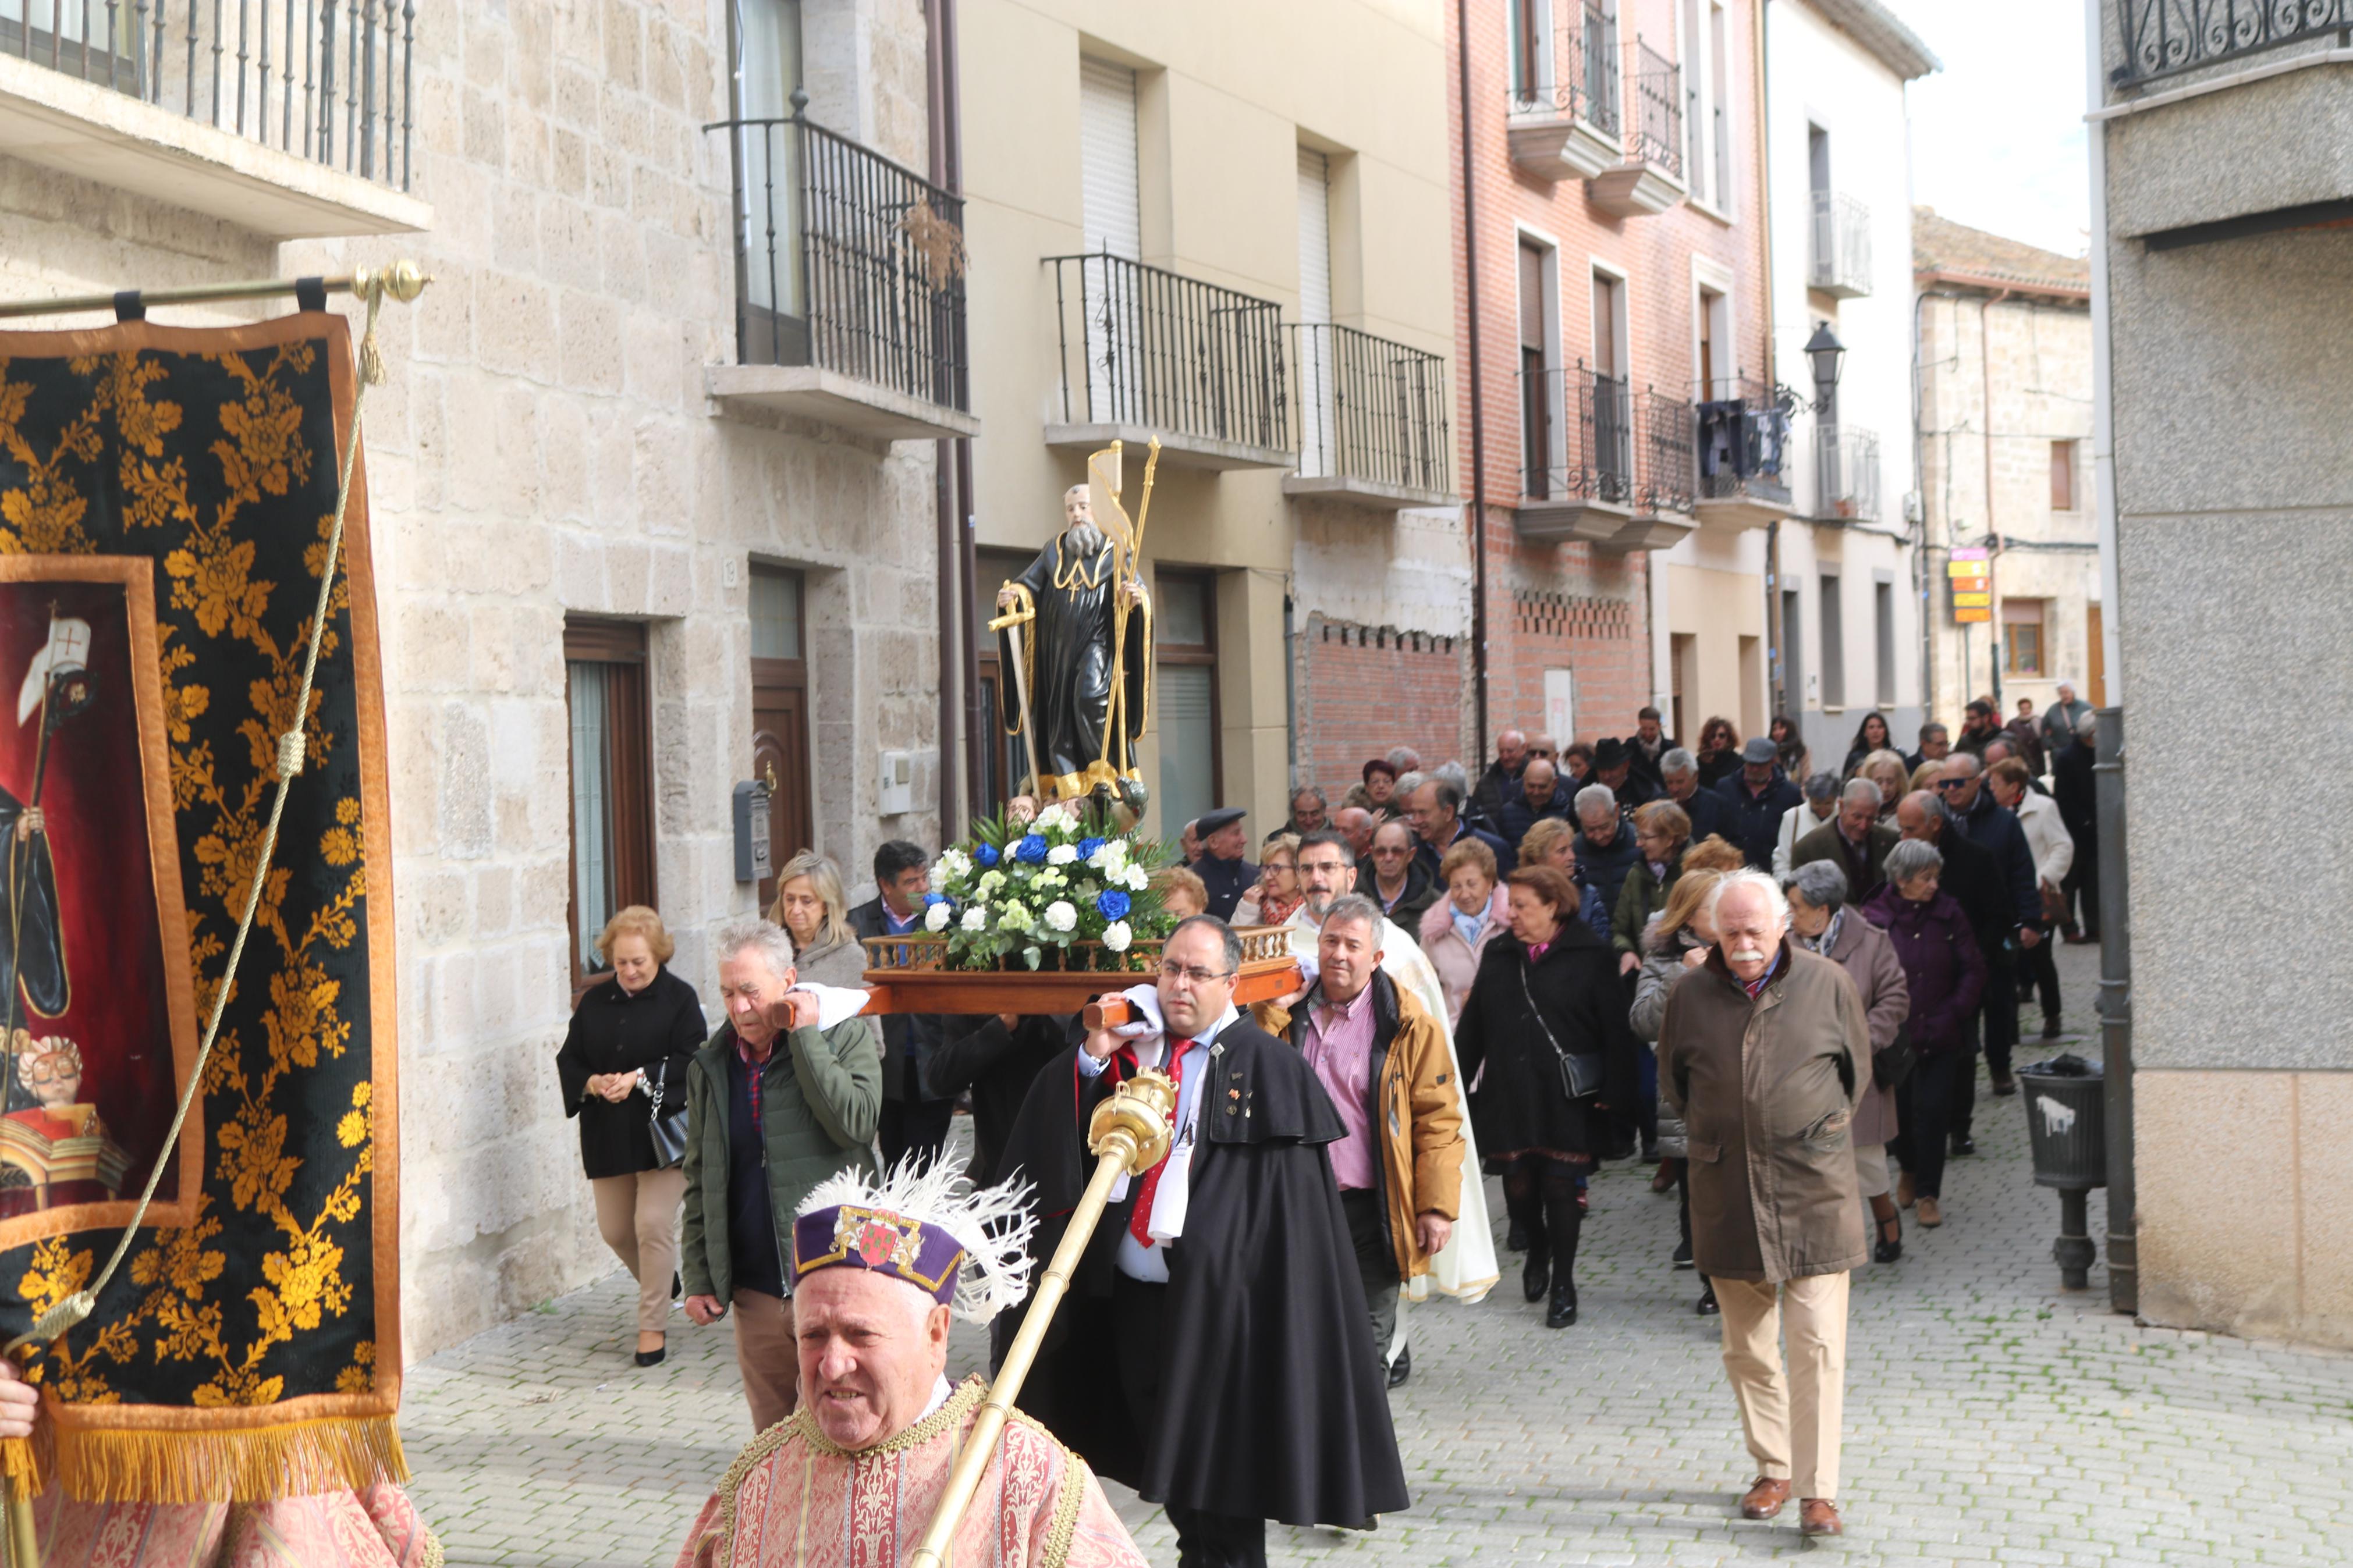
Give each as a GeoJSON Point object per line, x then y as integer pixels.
{"type": "Point", "coordinates": [910, 975]}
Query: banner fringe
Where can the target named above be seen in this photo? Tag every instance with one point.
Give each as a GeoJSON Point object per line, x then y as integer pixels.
{"type": "Point", "coordinates": [248, 1465]}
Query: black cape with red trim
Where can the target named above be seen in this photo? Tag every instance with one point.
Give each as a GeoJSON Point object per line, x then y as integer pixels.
{"type": "Point", "coordinates": [1275, 1406]}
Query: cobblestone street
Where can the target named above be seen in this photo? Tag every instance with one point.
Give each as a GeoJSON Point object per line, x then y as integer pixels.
{"type": "Point", "coordinates": [1991, 1417]}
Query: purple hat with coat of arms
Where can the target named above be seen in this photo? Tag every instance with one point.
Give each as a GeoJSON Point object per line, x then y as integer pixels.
{"type": "Point", "coordinates": [926, 1226]}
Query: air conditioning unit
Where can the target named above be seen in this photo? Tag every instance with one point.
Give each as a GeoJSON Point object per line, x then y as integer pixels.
{"type": "Point", "coordinates": [1913, 508]}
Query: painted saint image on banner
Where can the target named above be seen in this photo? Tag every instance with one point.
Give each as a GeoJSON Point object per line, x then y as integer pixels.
{"type": "Point", "coordinates": [88, 1064]}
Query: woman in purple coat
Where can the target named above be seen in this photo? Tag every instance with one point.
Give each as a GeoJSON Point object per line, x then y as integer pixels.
{"type": "Point", "coordinates": [1945, 974]}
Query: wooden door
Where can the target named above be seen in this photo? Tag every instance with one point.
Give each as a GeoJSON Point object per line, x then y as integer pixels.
{"type": "Point", "coordinates": [2095, 658]}
{"type": "Point", "coordinates": [780, 747]}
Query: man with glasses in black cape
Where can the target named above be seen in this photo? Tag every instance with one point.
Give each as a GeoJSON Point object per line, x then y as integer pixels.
{"type": "Point", "coordinates": [1215, 1352]}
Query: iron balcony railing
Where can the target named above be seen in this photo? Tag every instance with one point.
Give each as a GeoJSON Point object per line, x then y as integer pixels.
{"type": "Point", "coordinates": [1839, 258]}
{"type": "Point", "coordinates": [2162, 37]}
{"type": "Point", "coordinates": [1577, 437]}
{"type": "Point", "coordinates": [1743, 435]}
{"type": "Point", "coordinates": [846, 261]}
{"type": "Point", "coordinates": [330, 80]}
{"type": "Point", "coordinates": [1658, 111]}
{"type": "Point", "coordinates": [1146, 346]}
{"type": "Point", "coordinates": [1670, 473]}
{"type": "Point", "coordinates": [1574, 72]}
{"type": "Point", "coordinates": [1846, 473]}
{"type": "Point", "coordinates": [1369, 409]}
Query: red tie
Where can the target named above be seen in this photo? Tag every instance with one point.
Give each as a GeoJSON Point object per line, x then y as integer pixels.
{"type": "Point", "coordinates": [1139, 1221]}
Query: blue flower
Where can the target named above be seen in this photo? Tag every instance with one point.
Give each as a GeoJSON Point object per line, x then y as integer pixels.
{"type": "Point", "coordinates": [985, 854]}
{"type": "Point", "coordinates": [1031, 850]}
{"type": "Point", "coordinates": [1087, 847]}
{"type": "Point", "coordinates": [931, 899]}
{"type": "Point", "coordinates": [1112, 904]}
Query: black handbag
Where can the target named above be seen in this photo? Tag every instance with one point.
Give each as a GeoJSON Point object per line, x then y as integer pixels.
{"type": "Point", "coordinates": [1581, 1076]}
{"type": "Point", "coordinates": [667, 1124]}
{"type": "Point", "coordinates": [1893, 1062]}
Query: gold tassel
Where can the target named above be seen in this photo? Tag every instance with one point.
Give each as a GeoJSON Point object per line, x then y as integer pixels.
{"type": "Point", "coordinates": [250, 1465]}
{"type": "Point", "coordinates": [21, 1460]}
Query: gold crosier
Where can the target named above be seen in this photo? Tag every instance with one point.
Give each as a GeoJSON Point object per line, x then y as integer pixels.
{"type": "Point", "coordinates": [1117, 761]}
{"type": "Point", "coordinates": [1128, 1135]}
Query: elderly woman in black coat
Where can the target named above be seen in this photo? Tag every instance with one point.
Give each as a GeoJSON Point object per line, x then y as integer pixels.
{"type": "Point", "coordinates": [1545, 1044]}
{"type": "Point", "coordinates": [627, 1047]}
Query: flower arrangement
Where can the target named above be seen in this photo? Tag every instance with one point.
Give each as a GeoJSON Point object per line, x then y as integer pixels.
{"type": "Point", "coordinates": [1027, 887]}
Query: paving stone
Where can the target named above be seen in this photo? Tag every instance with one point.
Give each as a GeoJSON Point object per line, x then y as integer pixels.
{"type": "Point", "coordinates": [1991, 1415]}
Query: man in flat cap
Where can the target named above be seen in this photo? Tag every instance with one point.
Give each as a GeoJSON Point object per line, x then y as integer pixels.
{"type": "Point", "coordinates": [1221, 868]}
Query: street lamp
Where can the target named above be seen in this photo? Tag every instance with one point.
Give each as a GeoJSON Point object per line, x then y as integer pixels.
{"type": "Point", "coordinates": [1826, 355]}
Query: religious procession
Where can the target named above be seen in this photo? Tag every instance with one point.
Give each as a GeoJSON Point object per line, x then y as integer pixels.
{"type": "Point", "coordinates": [903, 783]}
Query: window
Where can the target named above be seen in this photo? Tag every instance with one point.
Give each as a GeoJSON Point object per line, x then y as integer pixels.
{"type": "Point", "coordinates": [1612, 457]}
{"type": "Point", "coordinates": [1184, 672]}
{"type": "Point", "coordinates": [2022, 635]}
{"type": "Point", "coordinates": [2063, 476]}
{"type": "Point", "coordinates": [1536, 390]}
{"type": "Point", "coordinates": [1882, 616]}
{"type": "Point", "coordinates": [1833, 644]}
{"type": "Point", "coordinates": [1111, 205]}
{"type": "Point", "coordinates": [1316, 341]}
{"type": "Point", "coordinates": [1793, 658]}
{"type": "Point", "coordinates": [1531, 52]}
{"type": "Point", "coordinates": [1708, 155]}
{"type": "Point", "coordinates": [612, 779]}
{"type": "Point", "coordinates": [780, 748]}
{"type": "Point", "coordinates": [767, 34]}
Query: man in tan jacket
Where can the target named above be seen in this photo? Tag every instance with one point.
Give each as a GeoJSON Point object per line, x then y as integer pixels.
{"type": "Point", "coordinates": [1385, 1062]}
{"type": "Point", "coordinates": [1766, 1051]}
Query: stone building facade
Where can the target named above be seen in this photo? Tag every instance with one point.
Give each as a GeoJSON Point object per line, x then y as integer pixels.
{"type": "Point", "coordinates": [2219, 183]}
{"type": "Point", "coordinates": [570, 465]}
{"type": "Point", "coordinates": [2005, 467]}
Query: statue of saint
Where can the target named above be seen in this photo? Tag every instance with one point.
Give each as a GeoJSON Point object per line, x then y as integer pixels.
{"type": "Point", "coordinates": [1077, 657]}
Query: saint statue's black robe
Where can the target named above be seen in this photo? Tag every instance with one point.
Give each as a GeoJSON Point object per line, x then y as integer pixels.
{"type": "Point", "coordinates": [1274, 1405]}
{"type": "Point", "coordinates": [29, 950]}
{"type": "Point", "coordinates": [1068, 648]}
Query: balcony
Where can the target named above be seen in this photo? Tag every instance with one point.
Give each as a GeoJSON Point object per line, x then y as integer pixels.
{"type": "Point", "coordinates": [1580, 433]}
{"type": "Point", "coordinates": [2164, 36]}
{"type": "Point", "coordinates": [1838, 255]}
{"type": "Point", "coordinates": [1372, 420]}
{"type": "Point", "coordinates": [1743, 434]}
{"type": "Point", "coordinates": [1846, 474]}
{"type": "Point", "coordinates": [1564, 110]}
{"type": "Point", "coordinates": [1148, 353]}
{"type": "Point", "coordinates": [290, 123]}
{"type": "Point", "coordinates": [849, 300]}
{"type": "Point", "coordinates": [1650, 181]}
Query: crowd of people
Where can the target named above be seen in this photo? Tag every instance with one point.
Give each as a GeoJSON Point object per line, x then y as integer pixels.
{"type": "Point", "coordinates": [1626, 949]}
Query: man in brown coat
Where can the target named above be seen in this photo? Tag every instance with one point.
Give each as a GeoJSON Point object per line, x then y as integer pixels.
{"type": "Point", "coordinates": [1765, 1052]}
{"type": "Point", "coordinates": [1384, 1061]}
{"type": "Point", "coordinates": [1854, 840]}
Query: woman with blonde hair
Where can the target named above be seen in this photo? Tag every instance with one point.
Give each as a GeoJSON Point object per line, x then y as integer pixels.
{"type": "Point", "coordinates": [1276, 898]}
{"type": "Point", "coordinates": [1886, 769]}
{"type": "Point", "coordinates": [1552, 841]}
{"type": "Point", "coordinates": [812, 908]}
{"type": "Point", "coordinates": [631, 1040]}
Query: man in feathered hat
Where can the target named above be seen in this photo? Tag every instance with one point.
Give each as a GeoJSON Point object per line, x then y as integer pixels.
{"type": "Point", "coordinates": [856, 1473]}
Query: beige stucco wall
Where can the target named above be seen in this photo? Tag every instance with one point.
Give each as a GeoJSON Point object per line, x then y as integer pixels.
{"type": "Point", "coordinates": [1719, 608]}
{"type": "Point", "coordinates": [543, 445]}
{"type": "Point", "coordinates": [1218, 130]}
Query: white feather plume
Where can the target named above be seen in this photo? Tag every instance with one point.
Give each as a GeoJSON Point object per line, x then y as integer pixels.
{"type": "Point", "coordinates": [993, 1225]}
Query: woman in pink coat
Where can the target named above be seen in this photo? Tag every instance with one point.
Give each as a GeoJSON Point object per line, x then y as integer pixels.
{"type": "Point", "coordinates": [1454, 929]}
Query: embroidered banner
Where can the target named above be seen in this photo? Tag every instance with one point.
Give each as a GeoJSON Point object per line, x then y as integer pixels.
{"type": "Point", "coordinates": [165, 495]}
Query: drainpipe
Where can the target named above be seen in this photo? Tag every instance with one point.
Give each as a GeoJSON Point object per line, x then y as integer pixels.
{"type": "Point", "coordinates": [1776, 673]}
{"type": "Point", "coordinates": [1993, 556]}
{"type": "Point", "coordinates": [2108, 768]}
{"type": "Point", "coordinates": [1478, 416]}
{"type": "Point", "coordinates": [951, 457]}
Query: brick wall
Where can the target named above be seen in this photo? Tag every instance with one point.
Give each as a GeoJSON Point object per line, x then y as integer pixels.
{"type": "Point", "coordinates": [1363, 689]}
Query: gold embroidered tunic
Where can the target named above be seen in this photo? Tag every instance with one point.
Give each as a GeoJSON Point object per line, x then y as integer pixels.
{"type": "Point", "coordinates": [793, 1499]}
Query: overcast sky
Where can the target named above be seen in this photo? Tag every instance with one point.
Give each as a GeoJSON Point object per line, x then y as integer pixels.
{"type": "Point", "coordinates": [1998, 134]}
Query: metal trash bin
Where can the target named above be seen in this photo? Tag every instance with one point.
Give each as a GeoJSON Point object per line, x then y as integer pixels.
{"type": "Point", "coordinates": [2066, 1123]}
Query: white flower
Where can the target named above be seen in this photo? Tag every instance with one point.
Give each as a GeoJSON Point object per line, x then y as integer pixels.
{"type": "Point", "coordinates": [1137, 878]}
{"type": "Point", "coordinates": [976, 919]}
{"type": "Point", "coordinates": [1061, 854]}
{"type": "Point", "coordinates": [938, 879]}
{"type": "Point", "coordinates": [1116, 936]}
{"type": "Point", "coordinates": [1062, 915]}
{"type": "Point", "coordinates": [1112, 859]}
{"type": "Point", "coordinates": [936, 918]}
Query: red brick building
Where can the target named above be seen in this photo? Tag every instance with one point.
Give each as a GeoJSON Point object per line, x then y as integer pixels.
{"type": "Point", "coordinates": [1610, 281]}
